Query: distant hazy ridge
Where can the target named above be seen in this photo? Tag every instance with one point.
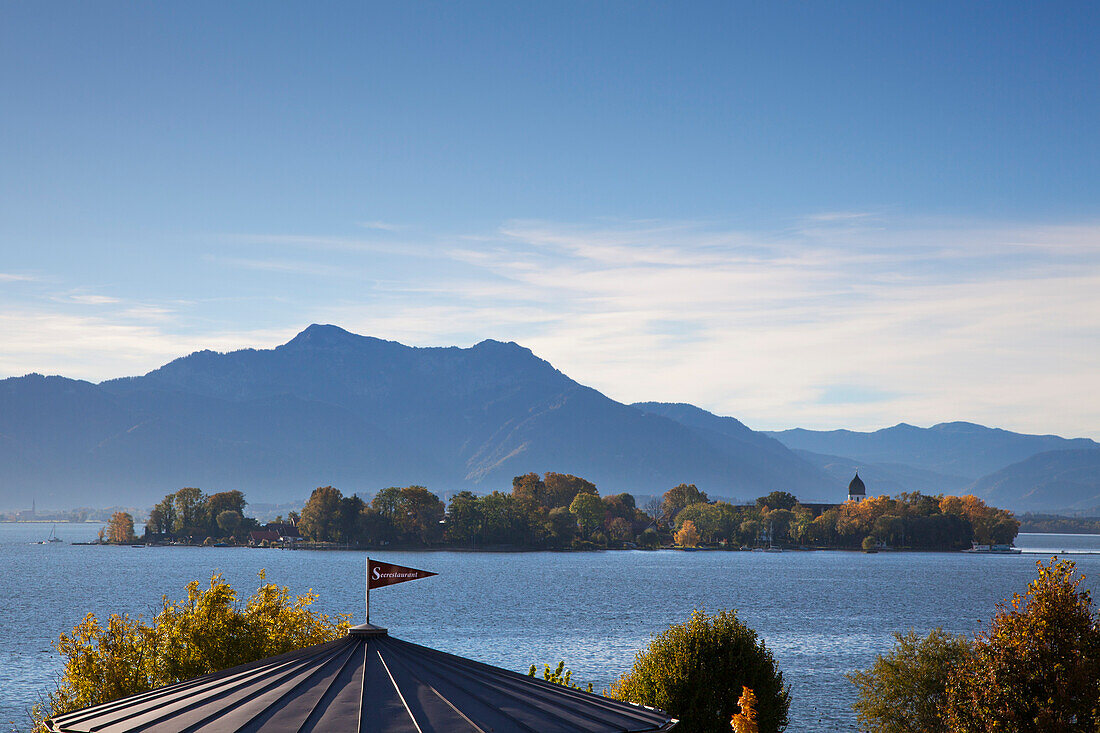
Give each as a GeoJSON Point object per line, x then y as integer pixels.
{"type": "Point", "coordinates": [331, 407]}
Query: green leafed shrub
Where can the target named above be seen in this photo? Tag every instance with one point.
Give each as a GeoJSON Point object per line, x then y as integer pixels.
{"type": "Point", "coordinates": [904, 691]}
{"type": "Point", "coordinates": [697, 671]}
{"type": "Point", "coordinates": [559, 676]}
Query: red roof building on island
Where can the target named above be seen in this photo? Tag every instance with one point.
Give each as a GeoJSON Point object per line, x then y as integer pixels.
{"type": "Point", "coordinates": [257, 536]}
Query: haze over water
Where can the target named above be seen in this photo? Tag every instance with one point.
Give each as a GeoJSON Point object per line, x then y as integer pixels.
{"type": "Point", "coordinates": [822, 613]}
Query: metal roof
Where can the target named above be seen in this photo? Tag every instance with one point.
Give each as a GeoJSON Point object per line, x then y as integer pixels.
{"type": "Point", "coordinates": [370, 682]}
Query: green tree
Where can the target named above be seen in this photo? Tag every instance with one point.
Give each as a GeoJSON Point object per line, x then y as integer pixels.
{"type": "Point", "coordinates": [418, 516]}
{"type": "Point", "coordinates": [779, 523]}
{"type": "Point", "coordinates": [222, 501]}
{"type": "Point", "coordinates": [1037, 668]}
{"type": "Point", "coordinates": [561, 526]}
{"type": "Point", "coordinates": [562, 488]}
{"type": "Point", "coordinates": [320, 520]}
{"type": "Point", "coordinates": [697, 671]}
{"type": "Point", "coordinates": [800, 527]}
{"type": "Point", "coordinates": [707, 519]}
{"type": "Point", "coordinates": [190, 518]}
{"type": "Point", "coordinates": [464, 518]}
{"type": "Point", "coordinates": [350, 524]}
{"type": "Point", "coordinates": [589, 510]}
{"type": "Point", "coordinates": [375, 529]}
{"type": "Point", "coordinates": [777, 500]}
{"type": "Point", "coordinates": [749, 532]}
{"type": "Point", "coordinates": [905, 691]}
{"type": "Point", "coordinates": [162, 518]}
{"type": "Point", "coordinates": [229, 521]}
{"type": "Point", "coordinates": [620, 530]}
{"type": "Point", "coordinates": [205, 632]}
{"type": "Point", "coordinates": [385, 502]}
{"type": "Point", "coordinates": [503, 522]}
{"type": "Point", "coordinates": [678, 497]}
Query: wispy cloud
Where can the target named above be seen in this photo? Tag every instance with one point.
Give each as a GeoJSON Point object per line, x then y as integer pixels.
{"type": "Point", "coordinates": [919, 323]}
{"type": "Point", "coordinates": [11, 277]}
{"type": "Point", "coordinates": [383, 226]}
{"type": "Point", "coordinates": [840, 216]}
{"type": "Point", "coordinates": [91, 299]}
{"type": "Point", "coordinates": [840, 319]}
{"type": "Point", "coordinates": [116, 347]}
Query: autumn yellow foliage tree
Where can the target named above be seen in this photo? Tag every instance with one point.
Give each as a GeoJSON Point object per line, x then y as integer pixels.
{"type": "Point", "coordinates": [688, 536]}
{"type": "Point", "coordinates": [120, 530]}
{"type": "Point", "coordinates": [991, 525]}
{"type": "Point", "coordinates": [206, 632]}
{"type": "Point", "coordinates": [1037, 668]}
{"type": "Point", "coordinates": [745, 721]}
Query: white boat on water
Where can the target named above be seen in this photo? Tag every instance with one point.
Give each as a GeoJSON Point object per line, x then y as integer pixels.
{"type": "Point", "coordinates": [993, 550]}
{"type": "Point", "coordinates": [51, 539]}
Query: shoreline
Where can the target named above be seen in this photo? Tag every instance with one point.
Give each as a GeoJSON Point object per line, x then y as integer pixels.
{"type": "Point", "coordinates": [523, 550]}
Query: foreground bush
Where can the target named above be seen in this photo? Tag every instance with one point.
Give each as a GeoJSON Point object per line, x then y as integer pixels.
{"type": "Point", "coordinates": [559, 676]}
{"type": "Point", "coordinates": [203, 633]}
{"type": "Point", "coordinates": [697, 671]}
{"type": "Point", "coordinates": [905, 691]}
{"type": "Point", "coordinates": [1036, 669]}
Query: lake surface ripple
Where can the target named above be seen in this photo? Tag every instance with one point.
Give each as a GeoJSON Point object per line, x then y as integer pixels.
{"type": "Point", "coordinates": [822, 613]}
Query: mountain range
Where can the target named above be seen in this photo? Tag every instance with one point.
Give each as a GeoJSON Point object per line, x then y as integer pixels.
{"type": "Point", "coordinates": [360, 413]}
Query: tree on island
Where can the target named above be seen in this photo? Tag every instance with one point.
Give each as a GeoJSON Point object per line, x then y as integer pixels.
{"type": "Point", "coordinates": [120, 529]}
{"type": "Point", "coordinates": [679, 497]}
{"type": "Point", "coordinates": [320, 515]}
{"type": "Point", "coordinates": [589, 511]}
{"type": "Point", "coordinates": [687, 536]}
{"type": "Point", "coordinates": [229, 521]}
{"type": "Point", "coordinates": [194, 515]}
{"type": "Point", "coordinates": [777, 500]}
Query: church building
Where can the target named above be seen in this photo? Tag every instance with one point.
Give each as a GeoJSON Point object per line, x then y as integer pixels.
{"type": "Point", "coordinates": [856, 490]}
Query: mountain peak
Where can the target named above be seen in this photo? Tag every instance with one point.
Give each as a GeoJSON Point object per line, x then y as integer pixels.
{"type": "Point", "coordinates": [502, 346]}
{"type": "Point", "coordinates": [328, 336]}
{"type": "Point", "coordinates": [323, 335]}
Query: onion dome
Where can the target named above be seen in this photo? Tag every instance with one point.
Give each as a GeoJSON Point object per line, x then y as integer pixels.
{"type": "Point", "coordinates": [856, 487]}
{"type": "Point", "coordinates": [368, 682]}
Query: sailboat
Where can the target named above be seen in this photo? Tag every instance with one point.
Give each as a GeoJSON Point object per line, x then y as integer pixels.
{"type": "Point", "coordinates": [53, 535]}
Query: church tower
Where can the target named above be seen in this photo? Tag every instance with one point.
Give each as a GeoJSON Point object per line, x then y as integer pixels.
{"type": "Point", "coordinates": [856, 490]}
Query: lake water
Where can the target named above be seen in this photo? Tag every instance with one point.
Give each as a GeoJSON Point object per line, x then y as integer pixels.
{"type": "Point", "coordinates": [822, 613]}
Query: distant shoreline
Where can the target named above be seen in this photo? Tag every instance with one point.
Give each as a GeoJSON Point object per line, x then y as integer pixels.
{"type": "Point", "coordinates": [50, 521]}
{"type": "Point", "coordinates": [512, 550]}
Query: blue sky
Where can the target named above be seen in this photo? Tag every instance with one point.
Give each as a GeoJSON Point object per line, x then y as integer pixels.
{"type": "Point", "coordinates": [825, 215]}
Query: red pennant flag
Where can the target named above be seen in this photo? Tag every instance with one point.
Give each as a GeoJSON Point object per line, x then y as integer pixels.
{"type": "Point", "coordinates": [381, 574]}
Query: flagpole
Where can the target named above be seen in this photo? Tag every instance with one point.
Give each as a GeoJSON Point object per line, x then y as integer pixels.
{"type": "Point", "coordinates": [368, 591]}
